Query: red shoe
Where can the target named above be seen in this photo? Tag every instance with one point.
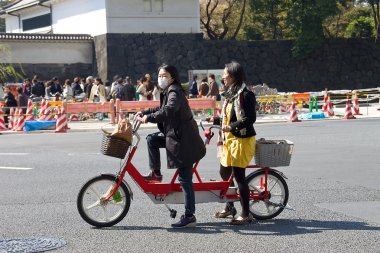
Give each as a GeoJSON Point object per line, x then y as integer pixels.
{"type": "Point", "coordinates": [153, 177]}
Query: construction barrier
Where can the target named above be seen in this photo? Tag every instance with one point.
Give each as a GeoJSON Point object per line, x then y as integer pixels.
{"type": "Point", "coordinates": [91, 107]}
{"type": "Point", "coordinates": [136, 106]}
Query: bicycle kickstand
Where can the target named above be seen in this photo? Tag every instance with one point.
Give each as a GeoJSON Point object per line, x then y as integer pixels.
{"type": "Point", "coordinates": [173, 212]}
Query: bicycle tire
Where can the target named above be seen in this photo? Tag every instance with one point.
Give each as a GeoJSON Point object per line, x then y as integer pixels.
{"type": "Point", "coordinates": [278, 206]}
{"type": "Point", "coordinates": [93, 218]}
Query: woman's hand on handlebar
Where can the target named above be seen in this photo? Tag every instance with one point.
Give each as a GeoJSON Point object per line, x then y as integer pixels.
{"type": "Point", "coordinates": [141, 117]}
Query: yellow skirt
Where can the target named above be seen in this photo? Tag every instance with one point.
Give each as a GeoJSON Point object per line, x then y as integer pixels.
{"type": "Point", "coordinates": [237, 152]}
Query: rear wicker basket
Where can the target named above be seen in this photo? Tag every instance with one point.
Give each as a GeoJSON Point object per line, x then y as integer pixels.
{"type": "Point", "coordinates": [273, 153]}
{"type": "Point", "coordinates": [114, 147]}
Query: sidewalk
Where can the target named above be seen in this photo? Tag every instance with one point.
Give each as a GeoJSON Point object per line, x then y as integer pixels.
{"type": "Point", "coordinates": [93, 125]}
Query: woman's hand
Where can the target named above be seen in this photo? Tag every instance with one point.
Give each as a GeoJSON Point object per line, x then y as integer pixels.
{"type": "Point", "coordinates": [138, 116]}
{"type": "Point", "coordinates": [144, 119]}
{"type": "Point", "coordinates": [226, 128]}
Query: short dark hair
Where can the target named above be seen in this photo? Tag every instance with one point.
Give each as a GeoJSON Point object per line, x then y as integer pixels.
{"type": "Point", "coordinates": [172, 71]}
{"type": "Point", "coordinates": [195, 77]}
{"type": "Point", "coordinates": [54, 78]}
{"type": "Point", "coordinates": [19, 90]}
{"type": "Point", "coordinates": [236, 71]}
{"type": "Point", "coordinates": [212, 76]}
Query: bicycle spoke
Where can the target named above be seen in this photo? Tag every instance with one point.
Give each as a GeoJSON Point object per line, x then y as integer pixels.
{"type": "Point", "coordinates": [105, 215]}
{"type": "Point", "coordinates": [94, 191]}
{"type": "Point", "coordinates": [97, 203]}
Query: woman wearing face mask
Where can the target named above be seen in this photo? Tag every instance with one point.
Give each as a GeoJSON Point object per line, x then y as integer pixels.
{"type": "Point", "coordinates": [178, 135]}
{"type": "Point", "coordinates": [238, 136]}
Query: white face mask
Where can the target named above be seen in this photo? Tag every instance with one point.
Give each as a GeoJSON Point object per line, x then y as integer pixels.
{"type": "Point", "coordinates": [163, 83]}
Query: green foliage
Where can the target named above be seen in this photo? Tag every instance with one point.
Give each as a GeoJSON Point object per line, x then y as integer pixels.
{"type": "Point", "coordinates": [306, 19]}
{"type": "Point", "coordinates": [335, 27]}
{"type": "Point", "coordinates": [363, 27]}
{"type": "Point", "coordinates": [7, 71]}
{"type": "Point", "coordinates": [269, 17]}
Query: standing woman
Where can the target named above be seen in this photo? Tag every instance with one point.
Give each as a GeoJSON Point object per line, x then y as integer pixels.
{"type": "Point", "coordinates": [238, 134]}
{"type": "Point", "coordinates": [179, 135]}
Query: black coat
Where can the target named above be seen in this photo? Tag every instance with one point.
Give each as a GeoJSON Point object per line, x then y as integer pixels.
{"type": "Point", "coordinates": [184, 146]}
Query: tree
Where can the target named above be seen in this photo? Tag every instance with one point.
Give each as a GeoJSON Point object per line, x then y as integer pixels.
{"type": "Point", "coordinates": [336, 26]}
{"type": "Point", "coordinates": [375, 6]}
{"type": "Point", "coordinates": [221, 19]}
{"type": "Point", "coordinates": [7, 71]}
{"type": "Point", "coordinates": [306, 18]}
{"type": "Point", "coordinates": [271, 15]}
{"type": "Point", "coordinates": [362, 27]}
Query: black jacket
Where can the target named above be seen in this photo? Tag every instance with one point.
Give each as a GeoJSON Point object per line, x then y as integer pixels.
{"type": "Point", "coordinates": [243, 128]}
{"type": "Point", "coordinates": [184, 146]}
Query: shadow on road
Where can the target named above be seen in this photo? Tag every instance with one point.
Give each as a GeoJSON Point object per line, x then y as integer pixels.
{"type": "Point", "coordinates": [279, 227]}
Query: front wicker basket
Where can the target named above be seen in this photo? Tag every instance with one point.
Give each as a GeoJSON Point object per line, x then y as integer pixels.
{"type": "Point", "coordinates": [114, 147]}
{"type": "Point", "coordinates": [273, 153]}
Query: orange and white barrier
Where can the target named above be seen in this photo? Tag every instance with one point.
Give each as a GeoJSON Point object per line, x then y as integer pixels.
{"type": "Point", "coordinates": [20, 121]}
{"type": "Point", "coordinates": [74, 117]}
{"type": "Point", "coordinates": [355, 103]}
{"type": "Point", "coordinates": [41, 111]}
{"type": "Point", "coordinates": [61, 124]}
{"type": "Point", "coordinates": [293, 114]}
{"type": "Point", "coordinates": [348, 112]}
{"type": "Point", "coordinates": [325, 101]}
{"type": "Point", "coordinates": [29, 111]}
{"type": "Point", "coordinates": [330, 109]}
{"type": "Point", "coordinates": [2, 121]}
{"type": "Point", "coordinates": [11, 118]}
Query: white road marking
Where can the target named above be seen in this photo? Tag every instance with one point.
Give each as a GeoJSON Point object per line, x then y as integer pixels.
{"type": "Point", "coordinates": [14, 168]}
{"type": "Point", "coordinates": [14, 154]}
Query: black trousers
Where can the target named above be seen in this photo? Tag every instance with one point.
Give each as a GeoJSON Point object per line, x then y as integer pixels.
{"type": "Point", "coordinates": [239, 174]}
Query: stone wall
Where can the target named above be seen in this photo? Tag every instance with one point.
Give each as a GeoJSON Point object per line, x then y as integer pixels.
{"type": "Point", "coordinates": [338, 64]}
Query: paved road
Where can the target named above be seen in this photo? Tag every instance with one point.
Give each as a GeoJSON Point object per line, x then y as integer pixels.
{"type": "Point", "coordinates": [333, 182]}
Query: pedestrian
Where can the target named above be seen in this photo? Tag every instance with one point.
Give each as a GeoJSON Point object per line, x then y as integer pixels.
{"type": "Point", "coordinates": [156, 93]}
{"type": "Point", "coordinates": [128, 92]}
{"type": "Point", "coordinates": [38, 89]}
{"type": "Point", "coordinates": [149, 87]}
{"type": "Point", "coordinates": [213, 88]}
{"type": "Point", "coordinates": [238, 136]}
{"type": "Point", "coordinates": [88, 86]}
{"type": "Point", "coordinates": [76, 88]}
{"type": "Point", "coordinates": [178, 135]}
{"type": "Point", "coordinates": [9, 101]}
{"type": "Point", "coordinates": [27, 87]}
{"type": "Point", "coordinates": [98, 94]}
{"type": "Point", "coordinates": [22, 99]}
{"type": "Point", "coordinates": [203, 88]}
{"type": "Point", "coordinates": [193, 87]}
{"type": "Point", "coordinates": [56, 88]}
{"type": "Point", "coordinates": [142, 90]}
{"type": "Point", "coordinates": [68, 92]}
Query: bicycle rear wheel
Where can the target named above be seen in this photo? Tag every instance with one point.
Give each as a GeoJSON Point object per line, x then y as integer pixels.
{"type": "Point", "coordinates": [97, 212]}
{"type": "Point", "coordinates": [272, 206]}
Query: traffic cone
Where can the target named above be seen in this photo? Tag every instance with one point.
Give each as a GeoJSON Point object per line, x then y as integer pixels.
{"type": "Point", "coordinates": [48, 116]}
{"type": "Point", "coordinates": [63, 112]}
{"type": "Point", "coordinates": [29, 111]}
{"type": "Point", "coordinates": [355, 103]}
{"type": "Point", "coordinates": [16, 118]}
{"type": "Point", "coordinates": [330, 110]}
{"type": "Point", "coordinates": [74, 117]}
{"type": "Point", "coordinates": [11, 119]}
{"type": "Point", "coordinates": [293, 114]}
{"type": "Point", "coordinates": [2, 121]}
{"type": "Point", "coordinates": [20, 122]}
{"type": "Point", "coordinates": [348, 112]}
{"type": "Point", "coordinates": [61, 123]}
{"type": "Point", "coordinates": [325, 98]}
{"type": "Point", "coordinates": [41, 111]}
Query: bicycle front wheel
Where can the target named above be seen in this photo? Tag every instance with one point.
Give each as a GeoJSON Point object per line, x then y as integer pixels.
{"type": "Point", "coordinates": [97, 212]}
{"type": "Point", "coordinates": [278, 194]}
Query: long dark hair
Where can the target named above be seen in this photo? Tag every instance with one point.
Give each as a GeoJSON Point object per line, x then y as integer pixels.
{"type": "Point", "coordinates": [236, 71]}
{"type": "Point", "coordinates": [172, 71]}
